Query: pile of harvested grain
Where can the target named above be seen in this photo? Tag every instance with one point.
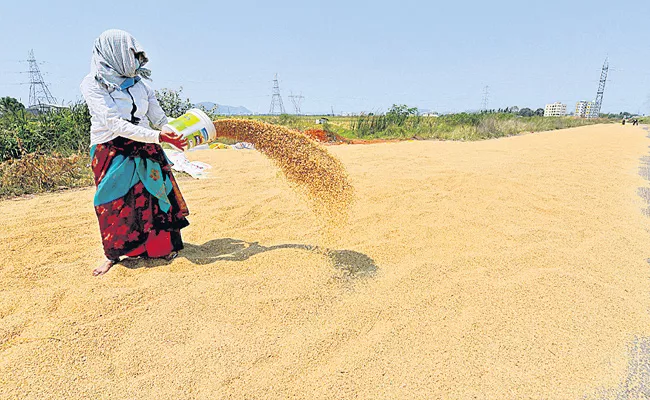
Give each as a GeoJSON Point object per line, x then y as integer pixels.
{"type": "Point", "coordinates": [304, 162]}
{"type": "Point", "coordinates": [323, 136]}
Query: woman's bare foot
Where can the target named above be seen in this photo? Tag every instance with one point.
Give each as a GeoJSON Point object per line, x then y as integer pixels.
{"type": "Point", "coordinates": [102, 269]}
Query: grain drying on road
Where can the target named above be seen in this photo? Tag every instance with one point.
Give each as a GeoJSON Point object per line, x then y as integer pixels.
{"type": "Point", "coordinates": [509, 268]}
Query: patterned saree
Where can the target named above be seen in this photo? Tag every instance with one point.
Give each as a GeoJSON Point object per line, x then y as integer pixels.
{"type": "Point", "coordinates": [138, 203]}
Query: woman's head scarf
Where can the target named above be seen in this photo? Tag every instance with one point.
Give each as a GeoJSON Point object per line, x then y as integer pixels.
{"type": "Point", "coordinates": [117, 56]}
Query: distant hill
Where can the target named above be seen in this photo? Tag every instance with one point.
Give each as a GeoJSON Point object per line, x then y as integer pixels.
{"type": "Point", "coordinates": [225, 109]}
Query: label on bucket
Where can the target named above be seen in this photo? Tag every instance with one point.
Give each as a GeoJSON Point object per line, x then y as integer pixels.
{"type": "Point", "coordinates": [184, 121]}
{"type": "Point", "coordinates": [197, 138]}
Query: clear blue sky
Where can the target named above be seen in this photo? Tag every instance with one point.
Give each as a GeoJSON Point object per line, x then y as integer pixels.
{"type": "Point", "coordinates": [352, 55]}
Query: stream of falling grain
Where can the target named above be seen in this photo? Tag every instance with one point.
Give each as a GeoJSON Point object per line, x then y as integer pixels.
{"type": "Point", "coordinates": [314, 171]}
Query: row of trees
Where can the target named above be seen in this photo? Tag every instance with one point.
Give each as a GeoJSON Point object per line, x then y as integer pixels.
{"type": "Point", "coordinates": [620, 115]}
{"type": "Point", "coordinates": [523, 112]}
{"type": "Point", "coordinates": [527, 112]}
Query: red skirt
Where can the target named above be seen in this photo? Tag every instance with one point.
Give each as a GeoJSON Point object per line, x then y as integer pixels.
{"type": "Point", "coordinates": [134, 225]}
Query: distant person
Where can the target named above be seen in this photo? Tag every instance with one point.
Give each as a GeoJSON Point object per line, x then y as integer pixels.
{"type": "Point", "coordinates": [623, 121]}
{"type": "Point", "coordinates": [138, 203]}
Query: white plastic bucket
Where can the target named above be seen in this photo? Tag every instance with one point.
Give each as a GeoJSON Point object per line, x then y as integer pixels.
{"type": "Point", "coordinates": [195, 126]}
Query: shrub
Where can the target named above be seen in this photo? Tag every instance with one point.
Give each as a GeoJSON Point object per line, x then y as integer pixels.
{"type": "Point", "coordinates": [64, 131]}
{"type": "Point", "coordinates": [34, 173]}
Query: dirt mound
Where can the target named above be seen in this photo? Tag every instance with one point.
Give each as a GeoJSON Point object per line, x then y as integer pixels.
{"type": "Point", "coordinates": [323, 136]}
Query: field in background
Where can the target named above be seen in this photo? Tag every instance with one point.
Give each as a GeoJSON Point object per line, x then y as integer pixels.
{"type": "Point", "coordinates": [462, 126]}
{"type": "Point", "coordinates": [50, 151]}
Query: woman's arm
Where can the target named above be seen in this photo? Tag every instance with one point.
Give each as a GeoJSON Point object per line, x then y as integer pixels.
{"type": "Point", "coordinates": [102, 106]}
{"type": "Point", "coordinates": [155, 113]}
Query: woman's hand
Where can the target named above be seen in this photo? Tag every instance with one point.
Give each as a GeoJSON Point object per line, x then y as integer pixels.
{"type": "Point", "coordinates": [169, 136]}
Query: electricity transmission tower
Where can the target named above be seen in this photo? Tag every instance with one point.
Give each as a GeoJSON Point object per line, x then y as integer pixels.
{"type": "Point", "coordinates": [296, 100]}
{"type": "Point", "coordinates": [595, 111]}
{"type": "Point", "coordinates": [39, 93]}
{"type": "Point", "coordinates": [276, 100]}
{"type": "Point", "coordinates": [486, 97]}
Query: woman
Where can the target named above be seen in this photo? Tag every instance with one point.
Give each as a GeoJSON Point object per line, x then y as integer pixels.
{"type": "Point", "coordinates": [138, 204]}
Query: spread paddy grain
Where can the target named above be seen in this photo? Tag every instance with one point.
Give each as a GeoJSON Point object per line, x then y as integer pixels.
{"type": "Point", "coordinates": [509, 268]}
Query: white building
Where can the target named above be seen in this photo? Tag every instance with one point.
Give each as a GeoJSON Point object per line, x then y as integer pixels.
{"type": "Point", "coordinates": [556, 109]}
{"type": "Point", "coordinates": [583, 108]}
{"type": "Point", "coordinates": [43, 108]}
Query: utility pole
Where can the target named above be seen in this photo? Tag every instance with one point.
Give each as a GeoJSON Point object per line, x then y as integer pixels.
{"type": "Point", "coordinates": [39, 92]}
{"type": "Point", "coordinates": [486, 98]}
{"type": "Point", "coordinates": [595, 111]}
{"type": "Point", "coordinates": [296, 100]}
{"type": "Point", "coordinates": [276, 101]}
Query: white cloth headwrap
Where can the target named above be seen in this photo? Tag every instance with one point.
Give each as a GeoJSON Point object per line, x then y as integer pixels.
{"type": "Point", "coordinates": [114, 58]}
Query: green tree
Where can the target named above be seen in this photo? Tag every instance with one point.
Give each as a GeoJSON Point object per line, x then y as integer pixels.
{"type": "Point", "coordinates": [212, 113]}
{"type": "Point", "coordinates": [526, 112]}
{"type": "Point", "coordinates": [10, 105]}
{"type": "Point", "coordinates": [171, 102]}
{"type": "Point", "coordinates": [539, 112]}
{"type": "Point", "coordinates": [398, 114]}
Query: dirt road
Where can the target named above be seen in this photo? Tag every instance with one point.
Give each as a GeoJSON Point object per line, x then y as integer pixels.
{"type": "Point", "coordinates": [509, 268]}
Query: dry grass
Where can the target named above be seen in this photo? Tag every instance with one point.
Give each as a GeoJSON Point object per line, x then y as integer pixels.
{"type": "Point", "coordinates": [35, 173]}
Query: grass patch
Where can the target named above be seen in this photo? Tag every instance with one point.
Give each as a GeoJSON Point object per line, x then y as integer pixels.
{"type": "Point", "coordinates": [36, 173]}
{"type": "Point", "coordinates": [462, 126]}
{"type": "Point", "coordinates": [459, 126]}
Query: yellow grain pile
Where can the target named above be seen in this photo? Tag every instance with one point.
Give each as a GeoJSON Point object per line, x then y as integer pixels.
{"type": "Point", "coordinates": [303, 161]}
{"type": "Point", "coordinates": [507, 269]}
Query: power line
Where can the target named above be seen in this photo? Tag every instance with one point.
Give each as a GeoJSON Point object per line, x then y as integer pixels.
{"type": "Point", "coordinates": [39, 92]}
{"type": "Point", "coordinates": [276, 100]}
{"type": "Point", "coordinates": [296, 100]}
{"type": "Point", "coordinates": [595, 112]}
{"type": "Point", "coordinates": [486, 98]}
